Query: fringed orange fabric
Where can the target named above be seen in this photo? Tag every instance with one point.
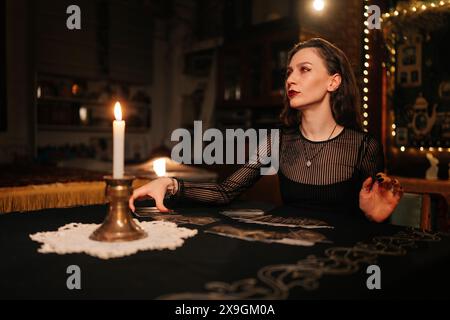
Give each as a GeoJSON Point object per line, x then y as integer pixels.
{"type": "Point", "coordinates": [55, 195]}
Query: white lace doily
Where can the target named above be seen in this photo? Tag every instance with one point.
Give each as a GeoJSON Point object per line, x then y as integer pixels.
{"type": "Point", "coordinates": [74, 238]}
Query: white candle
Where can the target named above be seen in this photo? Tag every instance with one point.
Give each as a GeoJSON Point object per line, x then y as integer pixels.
{"type": "Point", "coordinates": [118, 142]}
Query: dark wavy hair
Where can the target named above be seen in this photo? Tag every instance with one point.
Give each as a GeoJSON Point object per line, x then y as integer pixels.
{"type": "Point", "coordinates": [345, 101]}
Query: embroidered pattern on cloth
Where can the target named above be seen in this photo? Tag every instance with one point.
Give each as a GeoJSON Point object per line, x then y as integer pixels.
{"type": "Point", "coordinates": [275, 281]}
{"type": "Point", "coordinates": [74, 238]}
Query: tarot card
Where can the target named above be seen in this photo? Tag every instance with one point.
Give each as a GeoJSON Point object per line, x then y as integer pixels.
{"type": "Point", "coordinates": [300, 237]}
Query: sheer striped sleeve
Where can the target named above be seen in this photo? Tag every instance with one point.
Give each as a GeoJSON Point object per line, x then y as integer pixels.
{"type": "Point", "coordinates": [235, 184]}
{"type": "Point", "coordinates": [372, 160]}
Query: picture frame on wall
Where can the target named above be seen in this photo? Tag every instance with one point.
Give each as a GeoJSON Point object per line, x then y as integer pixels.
{"type": "Point", "coordinates": [410, 62]}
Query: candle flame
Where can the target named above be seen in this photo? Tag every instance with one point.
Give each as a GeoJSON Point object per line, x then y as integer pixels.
{"type": "Point", "coordinates": [118, 111]}
{"type": "Point", "coordinates": [159, 166]}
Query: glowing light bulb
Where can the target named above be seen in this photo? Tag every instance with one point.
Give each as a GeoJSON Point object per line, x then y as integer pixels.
{"type": "Point", "coordinates": [318, 5]}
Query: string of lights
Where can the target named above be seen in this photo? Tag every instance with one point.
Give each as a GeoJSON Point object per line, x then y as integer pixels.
{"type": "Point", "coordinates": [413, 8]}
{"type": "Point", "coordinates": [366, 66]}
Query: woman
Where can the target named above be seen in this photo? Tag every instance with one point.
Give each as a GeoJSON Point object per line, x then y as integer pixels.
{"type": "Point", "coordinates": [326, 161]}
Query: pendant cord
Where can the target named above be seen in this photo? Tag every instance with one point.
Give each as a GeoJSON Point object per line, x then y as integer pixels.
{"type": "Point", "coordinates": [309, 160]}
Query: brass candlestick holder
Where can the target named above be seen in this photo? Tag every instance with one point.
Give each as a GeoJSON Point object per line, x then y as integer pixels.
{"type": "Point", "coordinates": [118, 224]}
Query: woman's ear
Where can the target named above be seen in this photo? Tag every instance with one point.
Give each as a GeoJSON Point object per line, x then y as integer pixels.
{"type": "Point", "coordinates": [335, 82]}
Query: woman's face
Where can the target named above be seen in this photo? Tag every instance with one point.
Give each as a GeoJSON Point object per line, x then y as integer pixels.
{"type": "Point", "coordinates": [308, 81]}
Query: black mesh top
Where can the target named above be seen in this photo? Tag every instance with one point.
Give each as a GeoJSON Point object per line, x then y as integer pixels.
{"type": "Point", "coordinates": [332, 180]}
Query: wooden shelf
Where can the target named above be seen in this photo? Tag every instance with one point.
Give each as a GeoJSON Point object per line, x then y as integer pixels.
{"type": "Point", "coordinates": [89, 110]}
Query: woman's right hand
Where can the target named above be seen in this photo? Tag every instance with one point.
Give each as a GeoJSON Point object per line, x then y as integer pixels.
{"type": "Point", "coordinates": [156, 189]}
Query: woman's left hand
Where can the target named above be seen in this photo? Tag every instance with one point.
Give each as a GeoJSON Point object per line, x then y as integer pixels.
{"type": "Point", "coordinates": [378, 199]}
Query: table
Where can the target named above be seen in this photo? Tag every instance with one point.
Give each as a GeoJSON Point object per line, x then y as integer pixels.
{"type": "Point", "coordinates": [413, 264]}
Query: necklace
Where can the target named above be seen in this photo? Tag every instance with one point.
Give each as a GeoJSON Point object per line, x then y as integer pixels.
{"type": "Point", "coordinates": [309, 159]}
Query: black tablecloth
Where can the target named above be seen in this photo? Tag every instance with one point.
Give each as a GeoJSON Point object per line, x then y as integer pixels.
{"type": "Point", "coordinates": [413, 264]}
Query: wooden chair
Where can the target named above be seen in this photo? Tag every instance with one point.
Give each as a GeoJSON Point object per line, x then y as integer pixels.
{"type": "Point", "coordinates": [426, 211]}
{"type": "Point", "coordinates": [418, 208]}
{"type": "Point", "coordinates": [435, 201]}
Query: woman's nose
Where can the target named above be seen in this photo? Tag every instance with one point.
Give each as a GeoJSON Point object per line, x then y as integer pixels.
{"type": "Point", "coordinates": [290, 80]}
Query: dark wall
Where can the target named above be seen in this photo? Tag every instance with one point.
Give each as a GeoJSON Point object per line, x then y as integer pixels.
{"type": "Point", "coordinates": [114, 42]}
{"type": "Point", "coordinates": [3, 106]}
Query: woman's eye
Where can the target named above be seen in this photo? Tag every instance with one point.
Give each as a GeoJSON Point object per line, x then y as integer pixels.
{"type": "Point", "coordinates": [303, 69]}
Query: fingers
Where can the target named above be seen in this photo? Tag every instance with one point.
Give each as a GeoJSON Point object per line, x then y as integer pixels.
{"type": "Point", "coordinates": [367, 184]}
{"type": "Point", "coordinates": [158, 201]}
{"type": "Point", "coordinates": [398, 195]}
{"type": "Point", "coordinates": [398, 191]}
{"type": "Point", "coordinates": [155, 190]}
{"type": "Point", "coordinates": [376, 187]}
{"type": "Point", "coordinates": [138, 193]}
{"type": "Point", "coordinates": [160, 204]}
{"type": "Point", "coordinates": [396, 185]}
{"type": "Point", "coordinates": [388, 184]}
{"type": "Point", "coordinates": [131, 204]}
{"type": "Point", "coordinates": [384, 181]}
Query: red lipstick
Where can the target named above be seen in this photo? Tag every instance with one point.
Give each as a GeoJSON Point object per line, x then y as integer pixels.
{"type": "Point", "coordinates": [292, 93]}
